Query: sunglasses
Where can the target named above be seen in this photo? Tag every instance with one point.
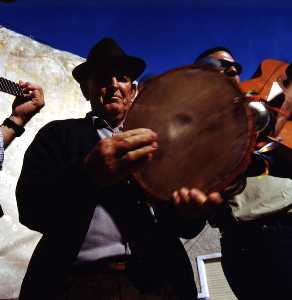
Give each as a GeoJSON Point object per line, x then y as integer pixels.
{"type": "Point", "coordinates": [229, 68]}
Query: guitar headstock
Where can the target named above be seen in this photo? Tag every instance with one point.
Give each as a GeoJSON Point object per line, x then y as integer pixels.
{"type": "Point", "coordinates": [10, 87]}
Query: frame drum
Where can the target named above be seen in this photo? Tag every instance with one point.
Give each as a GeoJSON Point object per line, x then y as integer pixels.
{"type": "Point", "coordinates": [205, 130]}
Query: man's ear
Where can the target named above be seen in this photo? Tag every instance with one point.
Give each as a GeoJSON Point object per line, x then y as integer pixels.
{"type": "Point", "coordinates": [135, 90]}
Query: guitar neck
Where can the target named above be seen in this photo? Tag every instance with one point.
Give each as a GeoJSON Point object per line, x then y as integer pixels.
{"type": "Point", "coordinates": [10, 87]}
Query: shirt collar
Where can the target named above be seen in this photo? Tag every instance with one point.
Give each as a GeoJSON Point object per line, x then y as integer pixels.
{"type": "Point", "coordinates": [100, 123]}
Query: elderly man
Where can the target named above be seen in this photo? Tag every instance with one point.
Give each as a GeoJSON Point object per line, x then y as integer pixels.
{"type": "Point", "coordinates": [23, 109]}
{"type": "Point", "coordinates": [256, 224]}
{"type": "Point", "coordinates": [101, 238]}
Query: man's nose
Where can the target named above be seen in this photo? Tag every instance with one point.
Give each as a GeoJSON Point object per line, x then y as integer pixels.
{"type": "Point", "coordinates": [114, 83]}
{"type": "Point", "coordinates": [231, 71]}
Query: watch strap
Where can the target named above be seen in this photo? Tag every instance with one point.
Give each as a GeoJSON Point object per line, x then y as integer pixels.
{"type": "Point", "coordinates": [11, 124]}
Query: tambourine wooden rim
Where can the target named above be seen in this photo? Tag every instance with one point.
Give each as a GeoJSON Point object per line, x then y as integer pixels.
{"type": "Point", "coordinates": [131, 123]}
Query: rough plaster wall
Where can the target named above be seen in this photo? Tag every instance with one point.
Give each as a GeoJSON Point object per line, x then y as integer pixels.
{"type": "Point", "coordinates": [22, 58]}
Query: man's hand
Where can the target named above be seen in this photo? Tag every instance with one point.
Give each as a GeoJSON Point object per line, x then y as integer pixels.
{"type": "Point", "coordinates": [286, 108]}
{"type": "Point", "coordinates": [193, 203]}
{"type": "Point", "coordinates": [113, 159]}
{"type": "Point", "coordinates": [24, 108]}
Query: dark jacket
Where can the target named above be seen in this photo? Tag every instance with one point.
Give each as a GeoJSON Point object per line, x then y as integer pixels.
{"type": "Point", "coordinates": [57, 197]}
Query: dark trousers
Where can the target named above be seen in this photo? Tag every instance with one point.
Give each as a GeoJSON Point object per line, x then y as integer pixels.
{"type": "Point", "coordinates": [110, 285]}
{"type": "Point", "coordinates": [257, 259]}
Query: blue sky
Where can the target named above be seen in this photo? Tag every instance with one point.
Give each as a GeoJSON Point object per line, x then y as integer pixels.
{"type": "Point", "coordinates": [165, 33]}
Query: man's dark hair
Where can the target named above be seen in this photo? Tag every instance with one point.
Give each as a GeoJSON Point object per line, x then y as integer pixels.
{"type": "Point", "coordinates": [210, 51]}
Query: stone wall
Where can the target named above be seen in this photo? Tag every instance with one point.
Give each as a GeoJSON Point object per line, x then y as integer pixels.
{"type": "Point", "coordinates": [22, 58]}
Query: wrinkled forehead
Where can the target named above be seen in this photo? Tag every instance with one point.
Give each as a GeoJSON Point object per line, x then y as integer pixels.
{"type": "Point", "coordinates": [109, 74]}
{"type": "Point", "coordinates": [99, 80]}
{"type": "Point", "coordinates": [222, 55]}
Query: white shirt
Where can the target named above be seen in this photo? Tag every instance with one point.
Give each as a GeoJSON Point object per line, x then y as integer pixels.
{"type": "Point", "coordinates": [103, 238]}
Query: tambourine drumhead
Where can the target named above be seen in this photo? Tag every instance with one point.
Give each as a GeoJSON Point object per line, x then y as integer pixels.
{"type": "Point", "coordinates": [205, 131]}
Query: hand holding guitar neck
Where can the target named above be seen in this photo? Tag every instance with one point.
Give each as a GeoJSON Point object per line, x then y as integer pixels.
{"type": "Point", "coordinates": [10, 87]}
{"type": "Point", "coordinates": [29, 99]}
{"type": "Point", "coordinates": [29, 102]}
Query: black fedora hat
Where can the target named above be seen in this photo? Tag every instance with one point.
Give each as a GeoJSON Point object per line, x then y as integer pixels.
{"type": "Point", "coordinates": [107, 56]}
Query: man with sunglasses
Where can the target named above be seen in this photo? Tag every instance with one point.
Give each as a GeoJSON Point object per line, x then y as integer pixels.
{"type": "Point", "coordinates": [255, 220]}
{"type": "Point", "coordinates": [222, 59]}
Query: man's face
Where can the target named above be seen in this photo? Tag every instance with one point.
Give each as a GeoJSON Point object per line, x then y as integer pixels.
{"type": "Point", "coordinates": [111, 96]}
{"type": "Point", "coordinates": [225, 56]}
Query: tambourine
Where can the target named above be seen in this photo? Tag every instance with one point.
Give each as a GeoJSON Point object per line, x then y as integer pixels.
{"type": "Point", "coordinates": [205, 130]}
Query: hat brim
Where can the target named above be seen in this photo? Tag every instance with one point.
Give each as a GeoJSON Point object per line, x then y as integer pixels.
{"type": "Point", "coordinates": [127, 65]}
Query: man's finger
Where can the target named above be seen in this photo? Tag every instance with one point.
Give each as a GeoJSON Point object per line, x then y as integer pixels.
{"type": "Point", "coordinates": [135, 155]}
{"type": "Point", "coordinates": [135, 142]}
{"type": "Point", "coordinates": [133, 132]}
{"type": "Point", "coordinates": [184, 194]}
{"type": "Point", "coordinates": [128, 167]}
{"type": "Point", "coordinates": [176, 197]}
{"type": "Point", "coordinates": [214, 199]}
{"type": "Point", "coordinates": [198, 196]}
{"type": "Point", "coordinates": [24, 84]}
{"type": "Point", "coordinates": [29, 88]}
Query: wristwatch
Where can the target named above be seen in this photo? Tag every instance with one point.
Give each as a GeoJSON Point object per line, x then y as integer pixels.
{"type": "Point", "coordinates": [11, 124]}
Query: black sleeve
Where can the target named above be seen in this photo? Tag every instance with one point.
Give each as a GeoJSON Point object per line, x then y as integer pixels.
{"type": "Point", "coordinates": [52, 184]}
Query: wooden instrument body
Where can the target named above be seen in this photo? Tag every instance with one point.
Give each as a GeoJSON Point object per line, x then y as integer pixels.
{"type": "Point", "coordinates": [269, 72]}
